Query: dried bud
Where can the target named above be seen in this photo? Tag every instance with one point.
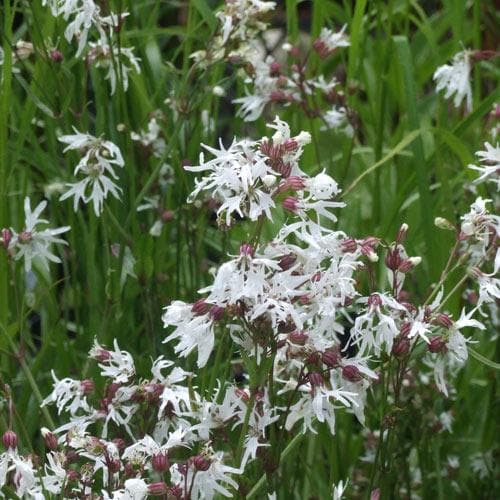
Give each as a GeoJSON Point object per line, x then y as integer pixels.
{"type": "Point", "coordinates": [437, 344]}
{"type": "Point", "coordinates": [49, 438]}
{"type": "Point", "coordinates": [200, 307]}
{"type": "Point", "coordinates": [200, 463]}
{"type": "Point", "coordinates": [287, 261]}
{"type": "Point", "coordinates": [217, 313]}
{"type": "Point", "coordinates": [9, 440]}
{"type": "Point", "coordinates": [351, 373]}
{"type": "Point", "coordinates": [160, 462]}
{"type": "Point", "coordinates": [298, 337]}
{"type": "Point", "coordinates": [158, 489]}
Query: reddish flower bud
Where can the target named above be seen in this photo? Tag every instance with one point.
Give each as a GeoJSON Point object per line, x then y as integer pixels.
{"type": "Point", "coordinates": [9, 440]}
{"type": "Point", "coordinates": [291, 204]}
{"type": "Point", "coordinates": [289, 146]}
{"type": "Point", "coordinates": [25, 236]}
{"type": "Point", "coordinates": [294, 182]}
{"type": "Point", "coordinates": [375, 494]}
{"type": "Point", "coordinates": [315, 379]}
{"type": "Point", "coordinates": [200, 307]}
{"type": "Point", "coordinates": [287, 261]}
{"type": "Point", "coordinates": [298, 337]}
{"type": "Point", "coordinates": [87, 386]}
{"type": "Point", "coordinates": [437, 344]}
{"type": "Point", "coordinates": [351, 373]}
{"type": "Point", "coordinates": [102, 355]}
{"type": "Point", "coordinates": [278, 96]}
{"type": "Point", "coordinates": [443, 320]}
{"type": "Point", "coordinates": [6, 237]}
{"type": "Point", "coordinates": [242, 394]}
{"type": "Point", "coordinates": [119, 443]}
{"type": "Point", "coordinates": [200, 463]}
{"type": "Point", "coordinates": [111, 390]}
{"type": "Point", "coordinates": [217, 313]}
{"type": "Point", "coordinates": [57, 56]}
{"type": "Point", "coordinates": [393, 259]}
{"type": "Point", "coordinates": [294, 52]}
{"type": "Point", "coordinates": [401, 236]}
{"type": "Point", "coordinates": [374, 300]}
{"type": "Point", "coordinates": [49, 438]}
{"type": "Point", "coordinates": [174, 491]}
{"type": "Point", "coordinates": [274, 68]}
{"type": "Point", "coordinates": [114, 465]}
{"type": "Point", "coordinates": [331, 357]}
{"type": "Point", "coordinates": [167, 215]}
{"type": "Point", "coordinates": [160, 462]}
{"type": "Point", "coordinates": [405, 329]}
{"type": "Point", "coordinates": [316, 277]}
{"type": "Point", "coordinates": [246, 250]}
{"type": "Point", "coordinates": [401, 347]}
{"type": "Point", "coordinates": [349, 245]}
{"type": "Point", "coordinates": [158, 489]}
{"type": "Point", "coordinates": [72, 475]}
{"type": "Point", "coordinates": [129, 470]}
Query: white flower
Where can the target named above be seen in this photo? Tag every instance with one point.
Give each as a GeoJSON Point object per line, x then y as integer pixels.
{"type": "Point", "coordinates": [328, 41]}
{"type": "Point", "coordinates": [338, 490]}
{"type": "Point", "coordinates": [454, 79]}
{"type": "Point", "coordinates": [67, 392]}
{"type": "Point", "coordinates": [32, 244]}
{"type": "Point", "coordinates": [97, 163]}
{"type": "Point", "coordinates": [119, 61]}
{"type": "Point", "coordinates": [322, 187]}
{"type": "Point", "coordinates": [151, 138]}
{"type": "Point", "coordinates": [490, 169]}
{"type": "Point", "coordinates": [117, 365]}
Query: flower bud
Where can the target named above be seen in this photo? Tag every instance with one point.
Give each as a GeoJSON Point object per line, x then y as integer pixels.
{"type": "Point", "coordinates": [87, 386]}
{"type": "Point", "coordinates": [291, 204]}
{"type": "Point", "coordinates": [160, 462]}
{"type": "Point", "coordinates": [315, 379]}
{"type": "Point", "coordinates": [443, 320]}
{"type": "Point", "coordinates": [374, 300]}
{"type": "Point", "coordinates": [72, 475]}
{"type": "Point", "coordinates": [200, 307]}
{"type": "Point", "coordinates": [287, 261]}
{"type": "Point", "coordinates": [119, 443]}
{"type": "Point", "coordinates": [6, 237]}
{"type": "Point", "coordinates": [349, 245]}
{"type": "Point", "coordinates": [269, 180]}
{"type": "Point", "coordinates": [114, 465]}
{"type": "Point", "coordinates": [401, 236]}
{"type": "Point", "coordinates": [298, 337]}
{"type": "Point", "coordinates": [49, 438]}
{"type": "Point", "coordinates": [274, 68]}
{"type": "Point", "coordinates": [408, 264]}
{"type": "Point", "coordinates": [401, 347]}
{"type": "Point", "coordinates": [437, 344]}
{"type": "Point", "coordinates": [200, 463]}
{"type": "Point", "coordinates": [167, 215]}
{"type": "Point", "coordinates": [9, 440]}
{"type": "Point", "coordinates": [393, 259]}
{"type": "Point", "coordinates": [331, 357]}
{"type": "Point", "coordinates": [351, 373]}
{"type": "Point", "coordinates": [217, 313]}
{"type": "Point", "coordinates": [246, 250]}
{"type": "Point", "coordinates": [57, 56]}
{"type": "Point", "coordinates": [158, 489]}
{"type": "Point", "coordinates": [405, 329]}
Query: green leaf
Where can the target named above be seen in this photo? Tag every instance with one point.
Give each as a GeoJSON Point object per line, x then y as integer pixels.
{"type": "Point", "coordinates": [482, 359]}
{"type": "Point", "coordinates": [206, 12]}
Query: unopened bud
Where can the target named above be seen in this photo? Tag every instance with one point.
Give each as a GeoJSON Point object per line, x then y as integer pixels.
{"type": "Point", "coordinates": [114, 465]}
{"type": "Point", "coordinates": [246, 250]}
{"type": "Point", "coordinates": [401, 236]}
{"type": "Point", "coordinates": [351, 373]}
{"type": "Point", "coordinates": [167, 215]}
{"type": "Point", "coordinates": [298, 337]}
{"type": "Point", "coordinates": [217, 313]}
{"type": "Point", "coordinates": [331, 357]}
{"type": "Point", "coordinates": [349, 245]}
{"type": "Point", "coordinates": [287, 261]}
{"type": "Point", "coordinates": [408, 264]}
{"type": "Point", "coordinates": [160, 462]}
{"type": "Point", "coordinates": [274, 68]}
{"type": "Point", "coordinates": [374, 300]}
{"type": "Point", "coordinates": [291, 204]}
{"type": "Point", "coordinates": [9, 440]}
{"type": "Point", "coordinates": [200, 307]}
{"type": "Point", "coordinates": [443, 320]}
{"type": "Point", "coordinates": [437, 344]}
{"type": "Point", "coordinates": [405, 329]}
{"type": "Point", "coordinates": [87, 386]}
{"type": "Point", "coordinates": [158, 489]}
{"type": "Point", "coordinates": [49, 438]}
{"type": "Point", "coordinates": [315, 379]}
{"type": "Point", "coordinates": [56, 55]}
{"type": "Point", "coordinates": [6, 237]}
{"type": "Point", "coordinates": [200, 463]}
{"type": "Point", "coordinates": [393, 259]}
{"type": "Point", "coordinates": [401, 347]}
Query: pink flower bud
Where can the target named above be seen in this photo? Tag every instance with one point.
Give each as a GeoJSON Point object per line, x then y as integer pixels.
{"type": "Point", "coordinates": [25, 236]}
{"type": "Point", "coordinates": [119, 443]}
{"type": "Point", "coordinates": [278, 96]}
{"type": "Point", "coordinates": [443, 320]}
{"type": "Point", "coordinates": [175, 491]}
{"type": "Point", "coordinates": [246, 250]}
{"type": "Point", "coordinates": [375, 494]}
{"type": "Point", "coordinates": [9, 440]}
{"type": "Point", "coordinates": [217, 313]}
{"type": "Point", "coordinates": [102, 355]}
{"type": "Point", "coordinates": [331, 357]}
{"type": "Point", "coordinates": [49, 438]}
{"type": "Point", "coordinates": [167, 215]}
{"type": "Point", "coordinates": [349, 245]}
{"type": "Point", "coordinates": [200, 463]}
{"type": "Point", "coordinates": [374, 300]}
{"type": "Point", "coordinates": [158, 489]}
{"type": "Point", "coordinates": [298, 337]}
{"type": "Point", "coordinates": [72, 475]}
{"type": "Point", "coordinates": [401, 236]}
{"type": "Point", "coordinates": [160, 462]}
{"type": "Point", "coordinates": [393, 259]}
{"type": "Point", "coordinates": [405, 329]}
{"type": "Point", "coordinates": [401, 347]}
{"type": "Point", "coordinates": [291, 204]}
{"type": "Point", "coordinates": [315, 379]}
{"type": "Point", "coordinates": [274, 68]}
{"type": "Point", "coordinates": [437, 345]}
{"type": "Point", "coordinates": [6, 237]}
{"type": "Point", "coordinates": [351, 373]}
{"type": "Point", "coordinates": [290, 145]}
{"type": "Point", "coordinates": [57, 56]}
{"type": "Point", "coordinates": [408, 264]}
{"type": "Point", "coordinates": [114, 465]}
{"type": "Point", "coordinates": [87, 386]}
{"type": "Point", "coordinates": [200, 307]}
